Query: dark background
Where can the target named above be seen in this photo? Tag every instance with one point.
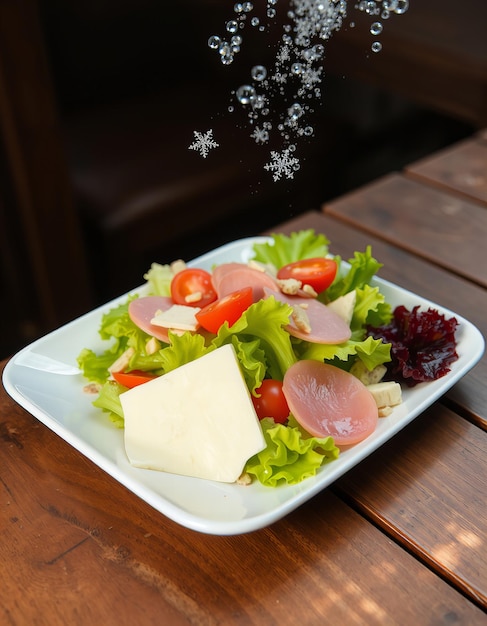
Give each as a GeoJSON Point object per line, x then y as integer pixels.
{"type": "Point", "coordinates": [128, 82]}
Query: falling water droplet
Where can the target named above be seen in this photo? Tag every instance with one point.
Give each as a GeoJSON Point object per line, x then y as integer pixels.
{"type": "Point", "coordinates": [376, 28]}
{"type": "Point", "coordinates": [245, 94]}
{"type": "Point", "coordinates": [258, 72]}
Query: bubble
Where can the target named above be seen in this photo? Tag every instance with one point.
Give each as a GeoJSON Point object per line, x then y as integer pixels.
{"type": "Point", "coordinates": [271, 13]}
{"type": "Point", "coordinates": [236, 40]}
{"type": "Point", "coordinates": [245, 94]}
{"type": "Point", "coordinates": [295, 111]}
{"type": "Point", "coordinates": [232, 26]}
{"type": "Point", "coordinates": [402, 6]}
{"type": "Point", "coordinates": [247, 7]}
{"type": "Point", "coordinates": [319, 50]}
{"type": "Point", "coordinates": [238, 7]}
{"type": "Point", "coordinates": [255, 21]}
{"type": "Point", "coordinates": [213, 42]}
{"type": "Point", "coordinates": [258, 72]}
{"type": "Point", "coordinates": [376, 46]}
{"type": "Point", "coordinates": [308, 131]}
{"type": "Point", "coordinates": [225, 49]}
{"type": "Point", "coordinates": [296, 68]}
{"type": "Point", "coordinates": [376, 28]}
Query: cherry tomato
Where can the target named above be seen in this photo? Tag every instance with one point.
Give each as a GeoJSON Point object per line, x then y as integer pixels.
{"type": "Point", "coordinates": [193, 287]}
{"type": "Point", "coordinates": [318, 272]}
{"type": "Point", "coordinates": [226, 309]}
{"type": "Point", "coordinates": [133, 378]}
{"type": "Point", "coordinates": [272, 402]}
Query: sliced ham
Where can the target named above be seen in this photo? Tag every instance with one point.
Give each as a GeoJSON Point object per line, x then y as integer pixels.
{"type": "Point", "coordinates": [325, 326]}
{"type": "Point", "coordinates": [142, 310]}
{"type": "Point", "coordinates": [230, 277]}
{"type": "Point", "coordinates": [327, 401]}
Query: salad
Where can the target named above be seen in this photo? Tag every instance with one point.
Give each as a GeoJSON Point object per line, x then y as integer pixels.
{"type": "Point", "coordinates": [313, 336]}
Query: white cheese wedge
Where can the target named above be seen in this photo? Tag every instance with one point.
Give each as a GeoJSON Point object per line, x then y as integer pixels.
{"type": "Point", "coordinates": [178, 316]}
{"type": "Point", "coordinates": [344, 306]}
{"type": "Point", "coordinates": [197, 420]}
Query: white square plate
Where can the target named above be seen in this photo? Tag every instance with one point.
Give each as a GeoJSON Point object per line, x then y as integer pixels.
{"type": "Point", "coordinates": [43, 379]}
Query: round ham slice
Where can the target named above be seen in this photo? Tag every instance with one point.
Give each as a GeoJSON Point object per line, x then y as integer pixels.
{"type": "Point", "coordinates": [327, 401]}
{"type": "Point", "coordinates": [326, 326]}
{"type": "Point", "coordinates": [142, 310]}
{"type": "Point", "coordinates": [230, 277]}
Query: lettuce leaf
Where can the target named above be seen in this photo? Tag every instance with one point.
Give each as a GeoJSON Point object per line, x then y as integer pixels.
{"type": "Point", "coordinates": [370, 305]}
{"type": "Point", "coordinates": [108, 401]}
{"type": "Point", "coordinates": [159, 279]}
{"type": "Point", "coordinates": [289, 457]}
{"type": "Point", "coordinates": [116, 326]}
{"type": "Point", "coordinates": [363, 268]}
{"type": "Point", "coordinates": [371, 353]}
{"type": "Point", "coordinates": [284, 249]}
{"type": "Point", "coordinates": [264, 320]}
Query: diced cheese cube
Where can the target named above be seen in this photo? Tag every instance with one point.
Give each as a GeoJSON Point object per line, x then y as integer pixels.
{"type": "Point", "coordinates": [386, 394]}
{"type": "Point", "coordinates": [179, 317]}
{"type": "Point", "coordinates": [197, 420]}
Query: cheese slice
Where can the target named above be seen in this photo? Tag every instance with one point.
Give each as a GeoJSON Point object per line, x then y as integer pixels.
{"type": "Point", "coordinates": [178, 317]}
{"type": "Point", "coordinates": [197, 420]}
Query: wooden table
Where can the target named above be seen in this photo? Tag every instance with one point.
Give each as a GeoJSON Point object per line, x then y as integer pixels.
{"type": "Point", "coordinates": [400, 539]}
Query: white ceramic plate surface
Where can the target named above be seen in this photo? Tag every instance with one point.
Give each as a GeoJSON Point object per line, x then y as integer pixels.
{"type": "Point", "coordinates": [43, 378]}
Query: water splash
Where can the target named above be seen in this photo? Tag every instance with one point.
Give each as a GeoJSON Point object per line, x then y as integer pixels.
{"type": "Point", "coordinates": [294, 80]}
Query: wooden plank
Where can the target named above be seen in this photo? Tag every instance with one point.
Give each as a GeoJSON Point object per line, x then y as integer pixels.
{"type": "Point", "coordinates": [437, 465]}
{"type": "Point", "coordinates": [428, 281]}
{"type": "Point", "coordinates": [94, 553]}
{"type": "Point", "coordinates": [461, 168]}
{"type": "Point", "coordinates": [432, 224]}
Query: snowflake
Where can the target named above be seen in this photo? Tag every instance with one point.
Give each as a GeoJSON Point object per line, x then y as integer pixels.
{"type": "Point", "coordinates": [261, 135]}
{"type": "Point", "coordinates": [311, 76]}
{"type": "Point", "coordinates": [203, 143]}
{"type": "Point", "coordinates": [282, 164]}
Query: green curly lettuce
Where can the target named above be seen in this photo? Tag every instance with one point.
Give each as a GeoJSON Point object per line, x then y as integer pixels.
{"type": "Point", "coordinates": [159, 279]}
{"type": "Point", "coordinates": [264, 320]}
{"type": "Point", "coordinates": [371, 353]}
{"type": "Point", "coordinates": [289, 457]}
{"type": "Point", "coordinates": [284, 249]}
{"type": "Point", "coordinates": [117, 326]}
{"type": "Point", "coordinates": [108, 401]}
{"type": "Point", "coordinates": [363, 267]}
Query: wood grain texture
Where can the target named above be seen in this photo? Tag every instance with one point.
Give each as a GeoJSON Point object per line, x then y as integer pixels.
{"type": "Point", "coordinates": [430, 223]}
{"type": "Point", "coordinates": [461, 168]}
{"type": "Point", "coordinates": [427, 487]}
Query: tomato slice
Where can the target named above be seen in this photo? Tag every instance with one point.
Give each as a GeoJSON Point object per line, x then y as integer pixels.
{"type": "Point", "coordinates": [226, 309]}
{"type": "Point", "coordinates": [272, 402]}
{"type": "Point", "coordinates": [133, 378]}
{"type": "Point", "coordinates": [193, 287]}
{"type": "Point", "coordinates": [317, 272]}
